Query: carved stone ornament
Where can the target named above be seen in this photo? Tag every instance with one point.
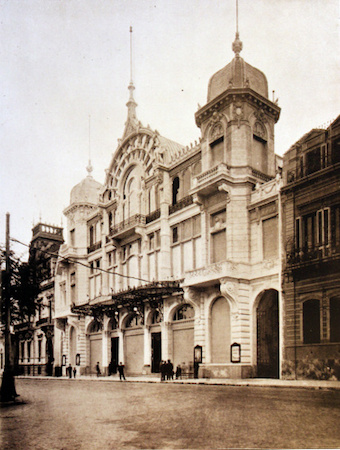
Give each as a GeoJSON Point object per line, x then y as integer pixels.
{"type": "Point", "coordinates": [192, 295]}
{"type": "Point", "coordinates": [259, 130]}
{"type": "Point", "coordinates": [228, 288]}
{"type": "Point", "coordinates": [238, 112]}
{"type": "Point", "coordinates": [216, 131]}
{"type": "Point", "coordinates": [260, 115]}
{"type": "Point", "coordinates": [216, 117]}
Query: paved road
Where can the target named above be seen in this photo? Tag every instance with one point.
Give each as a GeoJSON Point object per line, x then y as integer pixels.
{"type": "Point", "coordinates": [77, 414]}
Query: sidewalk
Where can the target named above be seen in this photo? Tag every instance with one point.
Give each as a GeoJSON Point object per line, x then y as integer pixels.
{"type": "Point", "coordinates": [260, 382]}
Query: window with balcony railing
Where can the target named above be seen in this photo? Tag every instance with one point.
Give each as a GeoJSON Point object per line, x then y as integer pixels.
{"type": "Point", "coordinates": [317, 236]}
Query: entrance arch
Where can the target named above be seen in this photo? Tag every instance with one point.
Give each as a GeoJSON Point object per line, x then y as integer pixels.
{"type": "Point", "coordinates": [183, 335]}
{"type": "Point", "coordinates": [220, 331]}
{"type": "Point", "coordinates": [73, 346]}
{"type": "Point", "coordinates": [95, 340]}
{"type": "Point", "coordinates": [267, 333]}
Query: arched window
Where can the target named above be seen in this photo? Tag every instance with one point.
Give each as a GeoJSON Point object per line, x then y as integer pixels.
{"type": "Point", "coordinates": [133, 321]}
{"type": "Point", "coordinates": [311, 322]}
{"type": "Point", "coordinates": [334, 317]}
{"type": "Point", "coordinates": [113, 325]}
{"type": "Point", "coordinates": [175, 189]}
{"type": "Point", "coordinates": [156, 317]}
{"type": "Point", "coordinates": [95, 327]}
{"type": "Point", "coordinates": [185, 312]}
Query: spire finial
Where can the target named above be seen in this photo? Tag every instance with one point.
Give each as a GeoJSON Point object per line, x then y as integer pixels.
{"type": "Point", "coordinates": [237, 44]}
{"type": "Point", "coordinates": [131, 104]}
{"type": "Point", "coordinates": [89, 167]}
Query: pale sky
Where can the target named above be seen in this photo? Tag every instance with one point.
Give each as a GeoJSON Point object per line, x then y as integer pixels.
{"type": "Point", "coordinates": [65, 60]}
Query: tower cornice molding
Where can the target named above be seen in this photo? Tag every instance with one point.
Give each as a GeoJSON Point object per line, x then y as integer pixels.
{"type": "Point", "coordinates": [231, 96]}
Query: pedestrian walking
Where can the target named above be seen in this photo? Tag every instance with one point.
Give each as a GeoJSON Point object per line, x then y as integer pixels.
{"type": "Point", "coordinates": [98, 369]}
{"type": "Point", "coordinates": [121, 371]}
{"type": "Point", "coordinates": [74, 372]}
{"type": "Point", "coordinates": [178, 372]}
{"type": "Point", "coordinates": [170, 370]}
{"type": "Point", "coordinates": [69, 371]}
{"type": "Point", "coordinates": [162, 370]}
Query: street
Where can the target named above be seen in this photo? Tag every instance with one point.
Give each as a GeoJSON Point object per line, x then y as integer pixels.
{"type": "Point", "coordinates": [78, 414]}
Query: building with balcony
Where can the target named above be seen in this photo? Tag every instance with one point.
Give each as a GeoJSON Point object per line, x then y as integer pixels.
{"type": "Point", "coordinates": [177, 255]}
{"type": "Point", "coordinates": [311, 236]}
{"type": "Point", "coordinates": [34, 337]}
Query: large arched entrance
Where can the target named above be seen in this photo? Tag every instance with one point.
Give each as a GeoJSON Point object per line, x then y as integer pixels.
{"type": "Point", "coordinates": [220, 331]}
{"type": "Point", "coordinates": [96, 345]}
{"type": "Point", "coordinates": [73, 346]}
{"type": "Point", "coordinates": [134, 345]}
{"type": "Point", "coordinates": [183, 335]}
{"type": "Point", "coordinates": [267, 326]}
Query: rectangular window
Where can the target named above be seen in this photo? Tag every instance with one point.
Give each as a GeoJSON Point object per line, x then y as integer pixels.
{"type": "Point", "coordinates": [73, 287]}
{"type": "Point", "coordinates": [270, 238]}
{"type": "Point", "coordinates": [298, 233]}
{"type": "Point", "coordinates": [218, 240]}
{"type": "Point", "coordinates": [72, 238]}
{"type": "Point", "coordinates": [174, 235]}
{"type": "Point", "coordinates": [39, 350]}
{"type": "Point", "coordinates": [151, 241]}
{"type": "Point", "coordinates": [29, 345]}
{"type": "Point", "coordinates": [22, 351]}
{"type": "Point", "coordinates": [218, 246]}
{"type": "Point", "coordinates": [217, 151]}
{"type": "Point", "coordinates": [313, 161]}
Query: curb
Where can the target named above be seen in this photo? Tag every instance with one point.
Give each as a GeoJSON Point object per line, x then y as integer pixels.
{"type": "Point", "coordinates": [300, 384]}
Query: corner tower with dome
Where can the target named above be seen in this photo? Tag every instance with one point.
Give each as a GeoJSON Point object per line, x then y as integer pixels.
{"type": "Point", "coordinates": [178, 258]}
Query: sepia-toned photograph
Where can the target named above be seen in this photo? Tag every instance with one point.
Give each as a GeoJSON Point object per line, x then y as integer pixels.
{"type": "Point", "coordinates": [169, 224]}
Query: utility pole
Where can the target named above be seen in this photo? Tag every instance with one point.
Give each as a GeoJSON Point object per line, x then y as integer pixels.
{"type": "Point", "coordinates": [8, 392]}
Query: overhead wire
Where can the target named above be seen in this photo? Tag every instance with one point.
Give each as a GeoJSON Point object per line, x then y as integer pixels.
{"type": "Point", "coordinates": [88, 266]}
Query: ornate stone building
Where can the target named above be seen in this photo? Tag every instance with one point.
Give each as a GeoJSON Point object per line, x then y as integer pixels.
{"type": "Point", "coordinates": [35, 338]}
{"type": "Point", "coordinates": [311, 235]}
{"type": "Point", "coordinates": [179, 250]}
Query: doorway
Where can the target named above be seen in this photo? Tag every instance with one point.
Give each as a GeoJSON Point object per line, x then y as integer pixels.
{"type": "Point", "coordinates": [268, 335]}
{"type": "Point", "coordinates": [114, 355]}
{"type": "Point", "coordinates": [156, 351]}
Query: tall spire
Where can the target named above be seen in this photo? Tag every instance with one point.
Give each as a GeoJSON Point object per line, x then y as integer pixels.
{"type": "Point", "coordinates": [89, 167]}
{"type": "Point", "coordinates": [131, 104]}
{"type": "Point", "coordinates": [132, 122]}
{"type": "Point", "coordinates": [237, 44]}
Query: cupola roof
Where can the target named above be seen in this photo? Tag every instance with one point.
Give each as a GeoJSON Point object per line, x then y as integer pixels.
{"type": "Point", "coordinates": [237, 74]}
{"type": "Point", "coordinates": [87, 191]}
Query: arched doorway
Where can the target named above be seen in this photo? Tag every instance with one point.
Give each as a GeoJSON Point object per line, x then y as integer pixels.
{"type": "Point", "coordinates": [73, 346]}
{"type": "Point", "coordinates": [267, 326]}
{"type": "Point", "coordinates": [183, 335]}
{"type": "Point", "coordinates": [220, 331]}
{"type": "Point", "coordinates": [134, 344]}
{"type": "Point", "coordinates": [156, 341]}
{"type": "Point", "coordinates": [96, 345]}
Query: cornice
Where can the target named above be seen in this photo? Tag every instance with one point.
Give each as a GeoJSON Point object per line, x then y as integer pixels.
{"type": "Point", "coordinates": [232, 95]}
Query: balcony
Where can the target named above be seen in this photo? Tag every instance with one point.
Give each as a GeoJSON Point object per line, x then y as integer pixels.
{"type": "Point", "coordinates": [207, 182]}
{"type": "Point", "coordinates": [307, 170]}
{"type": "Point", "coordinates": [94, 247]}
{"type": "Point", "coordinates": [301, 257]}
{"type": "Point", "coordinates": [153, 216]}
{"type": "Point", "coordinates": [183, 203]}
{"type": "Point", "coordinates": [128, 227]}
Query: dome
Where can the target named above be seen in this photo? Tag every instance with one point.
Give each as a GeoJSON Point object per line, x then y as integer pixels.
{"type": "Point", "coordinates": [237, 74]}
{"type": "Point", "coordinates": [87, 191]}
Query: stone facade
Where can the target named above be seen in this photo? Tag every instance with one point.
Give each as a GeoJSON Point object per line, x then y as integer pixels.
{"type": "Point", "coordinates": [34, 338]}
{"type": "Point", "coordinates": [180, 250]}
{"type": "Point", "coordinates": [311, 236]}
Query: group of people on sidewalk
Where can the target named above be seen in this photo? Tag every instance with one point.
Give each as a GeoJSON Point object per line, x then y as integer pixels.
{"type": "Point", "coordinates": [166, 369]}
{"type": "Point", "coordinates": [71, 370]}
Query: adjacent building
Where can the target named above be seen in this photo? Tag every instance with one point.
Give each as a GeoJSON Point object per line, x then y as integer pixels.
{"type": "Point", "coordinates": [34, 337]}
{"type": "Point", "coordinates": [311, 237]}
{"type": "Point", "coordinates": [177, 255]}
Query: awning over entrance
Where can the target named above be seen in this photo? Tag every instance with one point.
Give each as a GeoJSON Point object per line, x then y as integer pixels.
{"type": "Point", "coordinates": [132, 299]}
